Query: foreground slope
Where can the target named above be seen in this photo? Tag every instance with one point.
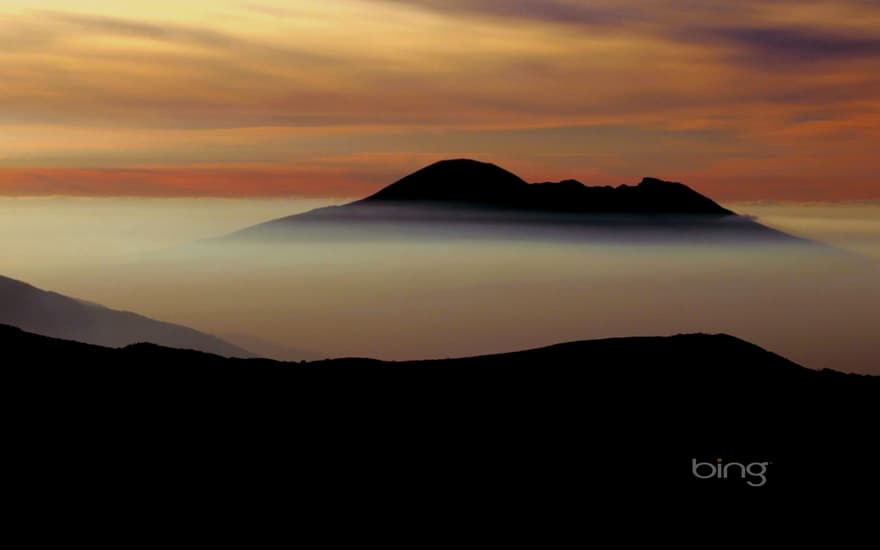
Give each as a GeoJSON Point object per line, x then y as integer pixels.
{"type": "Point", "coordinates": [625, 414]}
{"type": "Point", "coordinates": [53, 314]}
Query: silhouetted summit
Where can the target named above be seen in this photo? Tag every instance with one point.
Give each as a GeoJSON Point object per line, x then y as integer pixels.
{"type": "Point", "coordinates": [458, 180]}
{"type": "Point", "coordinates": [470, 182]}
{"type": "Point", "coordinates": [464, 198]}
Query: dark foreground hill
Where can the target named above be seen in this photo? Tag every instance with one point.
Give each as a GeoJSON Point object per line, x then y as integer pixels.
{"type": "Point", "coordinates": [471, 199]}
{"type": "Point", "coordinates": [532, 430]}
{"type": "Point", "coordinates": [59, 316]}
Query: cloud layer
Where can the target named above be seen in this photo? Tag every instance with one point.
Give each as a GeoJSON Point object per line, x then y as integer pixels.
{"type": "Point", "coordinates": [743, 99]}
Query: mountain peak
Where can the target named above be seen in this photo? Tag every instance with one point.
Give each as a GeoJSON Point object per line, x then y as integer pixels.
{"type": "Point", "coordinates": [675, 196]}
{"type": "Point", "coordinates": [456, 190]}
{"type": "Point", "coordinates": [663, 185]}
{"type": "Point", "coordinates": [482, 184]}
{"type": "Point", "coordinates": [454, 180]}
{"type": "Point", "coordinates": [657, 182]}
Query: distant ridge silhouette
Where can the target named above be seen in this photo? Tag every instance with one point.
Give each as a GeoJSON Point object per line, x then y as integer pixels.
{"type": "Point", "coordinates": [470, 182]}
{"type": "Point", "coordinates": [513, 430]}
{"type": "Point", "coordinates": [472, 199]}
{"type": "Point", "coordinates": [60, 316]}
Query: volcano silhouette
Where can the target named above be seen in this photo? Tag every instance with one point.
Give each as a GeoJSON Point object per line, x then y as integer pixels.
{"type": "Point", "coordinates": [472, 199]}
{"type": "Point", "coordinates": [467, 182]}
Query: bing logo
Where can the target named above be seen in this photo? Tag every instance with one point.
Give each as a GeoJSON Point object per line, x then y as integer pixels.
{"type": "Point", "coordinates": [753, 473]}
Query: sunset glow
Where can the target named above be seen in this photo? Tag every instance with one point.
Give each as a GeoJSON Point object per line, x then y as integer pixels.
{"type": "Point", "coordinates": [742, 100]}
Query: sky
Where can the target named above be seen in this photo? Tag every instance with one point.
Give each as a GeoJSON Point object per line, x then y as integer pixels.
{"type": "Point", "coordinates": [744, 100]}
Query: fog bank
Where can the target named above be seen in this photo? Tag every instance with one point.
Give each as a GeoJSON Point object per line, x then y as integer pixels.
{"type": "Point", "coordinates": [416, 299]}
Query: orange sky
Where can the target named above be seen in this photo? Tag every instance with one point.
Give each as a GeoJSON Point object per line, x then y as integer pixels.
{"type": "Point", "coordinates": [742, 99]}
